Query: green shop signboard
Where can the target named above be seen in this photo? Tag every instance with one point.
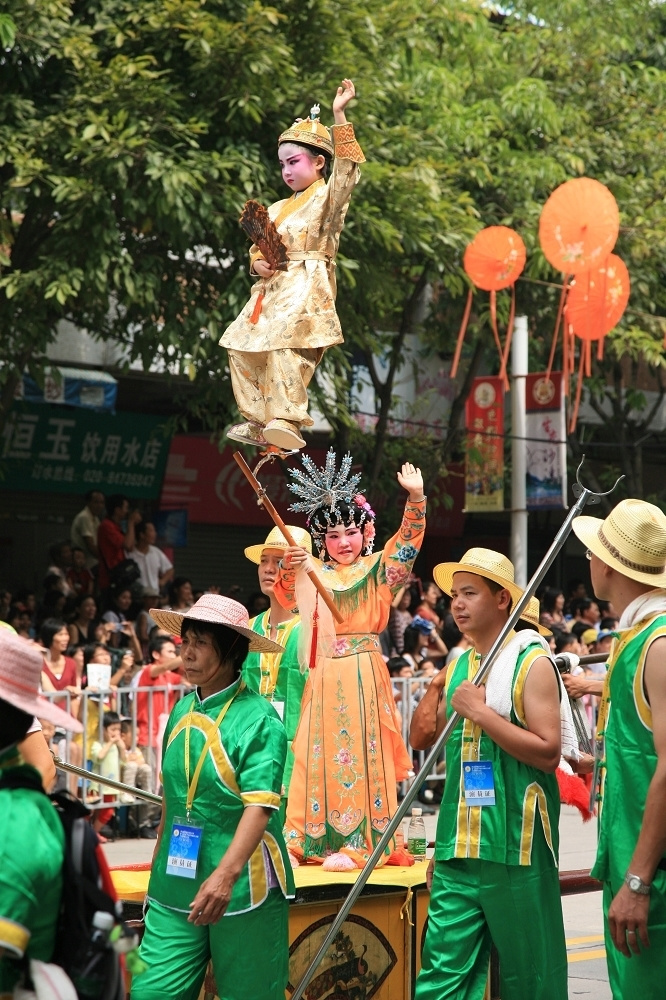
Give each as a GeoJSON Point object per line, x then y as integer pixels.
{"type": "Point", "coordinates": [48, 448]}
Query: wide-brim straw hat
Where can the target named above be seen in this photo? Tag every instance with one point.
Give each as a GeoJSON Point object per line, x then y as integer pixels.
{"type": "Point", "coordinates": [216, 610]}
{"type": "Point", "coordinates": [487, 563]}
{"type": "Point", "coordinates": [631, 540]}
{"type": "Point", "coordinates": [531, 613]}
{"type": "Point", "coordinates": [21, 665]}
{"type": "Point", "coordinates": [276, 540]}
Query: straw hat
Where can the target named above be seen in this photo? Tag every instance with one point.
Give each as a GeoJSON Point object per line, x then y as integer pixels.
{"type": "Point", "coordinates": [531, 614]}
{"type": "Point", "coordinates": [21, 665]}
{"type": "Point", "coordinates": [487, 563]}
{"type": "Point", "coordinates": [631, 540]}
{"type": "Point", "coordinates": [216, 610]}
{"type": "Point", "coordinates": [276, 540]}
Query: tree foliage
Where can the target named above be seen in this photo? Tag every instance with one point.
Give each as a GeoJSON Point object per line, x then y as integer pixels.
{"type": "Point", "coordinates": [131, 134]}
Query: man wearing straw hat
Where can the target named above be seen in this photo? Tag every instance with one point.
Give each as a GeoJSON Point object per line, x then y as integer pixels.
{"type": "Point", "coordinates": [32, 843]}
{"type": "Point", "coordinates": [494, 875]}
{"type": "Point", "coordinates": [278, 676]}
{"type": "Point", "coordinates": [627, 553]}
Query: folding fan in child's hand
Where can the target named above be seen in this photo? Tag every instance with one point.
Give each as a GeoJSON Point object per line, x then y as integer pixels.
{"type": "Point", "coordinates": [261, 229]}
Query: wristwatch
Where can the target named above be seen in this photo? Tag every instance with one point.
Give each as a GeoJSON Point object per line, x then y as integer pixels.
{"type": "Point", "coordinates": [636, 884]}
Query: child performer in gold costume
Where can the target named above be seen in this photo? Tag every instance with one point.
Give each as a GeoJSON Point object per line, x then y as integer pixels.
{"type": "Point", "coordinates": [283, 330]}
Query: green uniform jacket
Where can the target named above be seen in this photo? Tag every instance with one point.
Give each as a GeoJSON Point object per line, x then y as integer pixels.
{"type": "Point", "coordinates": [278, 678]}
{"type": "Point", "coordinates": [243, 768]}
{"type": "Point", "coordinates": [32, 848]}
{"type": "Point", "coordinates": [625, 720]}
{"type": "Point", "coordinates": [504, 832]}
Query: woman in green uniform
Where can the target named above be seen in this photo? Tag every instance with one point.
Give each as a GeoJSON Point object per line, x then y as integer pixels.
{"type": "Point", "coordinates": [220, 878]}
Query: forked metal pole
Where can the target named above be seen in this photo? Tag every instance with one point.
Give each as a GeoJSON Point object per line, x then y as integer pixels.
{"type": "Point", "coordinates": [584, 496]}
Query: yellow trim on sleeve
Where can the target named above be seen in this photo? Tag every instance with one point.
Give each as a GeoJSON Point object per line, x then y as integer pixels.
{"type": "Point", "coordinates": [519, 686]}
{"type": "Point", "coordinates": [643, 709]}
{"type": "Point", "coordinates": [14, 937]}
{"type": "Point", "coordinates": [271, 800]}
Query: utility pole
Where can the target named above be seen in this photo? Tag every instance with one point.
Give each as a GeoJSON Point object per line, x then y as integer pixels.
{"type": "Point", "coordinates": [519, 371]}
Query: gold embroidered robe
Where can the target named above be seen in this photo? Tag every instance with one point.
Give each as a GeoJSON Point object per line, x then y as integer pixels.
{"type": "Point", "coordinates": [298, 309]}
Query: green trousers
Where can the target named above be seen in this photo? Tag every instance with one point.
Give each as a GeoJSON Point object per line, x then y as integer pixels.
{"type": "Point", "coordinates": [476, 903]}
{"type": "Point", "coordinates": [642, 976]}
{"type": "Point", "coordinates": [250, 953]}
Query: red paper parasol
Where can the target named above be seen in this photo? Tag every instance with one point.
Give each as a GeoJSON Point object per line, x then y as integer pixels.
{"type": "Point", "coordinates": [579, 225]}
{"type": "Point", "coordinates": [598, 299]}
{"type": "Point", "coordinates": [493, 260]}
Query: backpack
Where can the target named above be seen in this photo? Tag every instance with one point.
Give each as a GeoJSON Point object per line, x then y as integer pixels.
{"type": "Point", "coordinates": [93, 966]}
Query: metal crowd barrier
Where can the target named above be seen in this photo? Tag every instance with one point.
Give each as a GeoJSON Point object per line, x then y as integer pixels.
{"type": "Point", "coordinates": [408, 692]}
{"type": "Point", "coordinates": [121, 700]}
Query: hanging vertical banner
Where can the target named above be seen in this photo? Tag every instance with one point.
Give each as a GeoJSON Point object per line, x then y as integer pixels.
{"type": "Point", "coordinates": [484, 464]}
{"type": "Point", "coordinates": [546, 446]}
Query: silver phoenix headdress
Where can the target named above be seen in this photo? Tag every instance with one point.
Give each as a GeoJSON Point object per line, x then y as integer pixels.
{"type": "Point", "coordinates": [324, 490]}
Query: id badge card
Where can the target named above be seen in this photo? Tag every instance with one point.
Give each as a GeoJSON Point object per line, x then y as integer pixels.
{"type": "Point", "coordinates": [184, 847]}
{"type": "Point", "coordinates": [279, 708]}
{"type": "Point", "coordinates": [479, 783]}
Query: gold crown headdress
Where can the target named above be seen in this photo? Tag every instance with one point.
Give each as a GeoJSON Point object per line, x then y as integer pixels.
{"type": "Point", "coordinates": [309, 132]}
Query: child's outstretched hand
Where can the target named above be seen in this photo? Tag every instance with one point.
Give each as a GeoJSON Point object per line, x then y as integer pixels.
{"type": "Point", "coordinates": [410, 479]}
{"type": "Point", "coordinates": [345, 93]}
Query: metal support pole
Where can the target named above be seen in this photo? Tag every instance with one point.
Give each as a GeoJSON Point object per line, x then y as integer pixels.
{"type": "Point", "coordinates": [584, 496]}
{"type": "Point", "coordinates": [519, 370]}
{"type": "Point", "coordinates": [120, 786]}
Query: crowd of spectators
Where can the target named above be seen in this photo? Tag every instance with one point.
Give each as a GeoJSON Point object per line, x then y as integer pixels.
{"type": "Point", "coordinates": [92, 620]}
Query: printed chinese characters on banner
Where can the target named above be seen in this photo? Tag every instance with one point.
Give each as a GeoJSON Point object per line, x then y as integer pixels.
{"type": "Point", "coordinates": [484, 465]}
{"type": "Point", "coordinates": [43, 449]}
{"type": "Point", "coordinates": [546, 447]}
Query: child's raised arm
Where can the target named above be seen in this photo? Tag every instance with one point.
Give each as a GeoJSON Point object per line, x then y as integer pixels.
{"type": "Point", "coordinates": [345, 93]}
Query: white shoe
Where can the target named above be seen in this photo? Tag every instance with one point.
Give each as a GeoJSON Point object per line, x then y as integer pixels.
{"type": "Point", "coordinates": [284, 435]}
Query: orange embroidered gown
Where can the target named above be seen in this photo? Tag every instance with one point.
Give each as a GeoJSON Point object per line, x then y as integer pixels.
{"type": "Point", "coordinates": [349, 752]}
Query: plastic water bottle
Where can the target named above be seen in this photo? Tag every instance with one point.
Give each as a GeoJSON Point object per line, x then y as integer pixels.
{"type": "Point", "coordinates": [416, 835]}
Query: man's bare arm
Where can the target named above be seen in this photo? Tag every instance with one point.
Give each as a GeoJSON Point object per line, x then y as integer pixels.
{"type": "Point", "coordinates": [429, 716]}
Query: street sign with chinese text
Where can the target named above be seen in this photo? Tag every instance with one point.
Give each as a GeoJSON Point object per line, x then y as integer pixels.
{"type": "Point", "coordinates": [46, 448]}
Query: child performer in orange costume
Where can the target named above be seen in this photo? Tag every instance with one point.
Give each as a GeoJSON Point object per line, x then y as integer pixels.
{"type": "Point", "coordinates": [349, 753]}
{"type": "Point", "coordinates": [280, 336]}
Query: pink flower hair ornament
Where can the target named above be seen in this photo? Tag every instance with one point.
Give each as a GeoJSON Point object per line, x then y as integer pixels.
{"type": "Point", "coordinates": [361, 502]}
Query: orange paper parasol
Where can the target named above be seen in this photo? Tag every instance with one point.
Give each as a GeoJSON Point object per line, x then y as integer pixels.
{"type": "Point", "coordinates": [493, 260]}
{"type": "Point", "coordinates": [579, 225]}
{"type": "Point", "coordinates": [598, 299]}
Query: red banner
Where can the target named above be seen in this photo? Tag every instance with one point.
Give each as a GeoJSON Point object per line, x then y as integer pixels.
{"type": "Point", "coordinates": [484, 467]}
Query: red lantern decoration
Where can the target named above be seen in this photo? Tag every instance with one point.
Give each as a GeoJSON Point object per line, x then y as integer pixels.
{"type": "Point", "coordinates": [493, 260]}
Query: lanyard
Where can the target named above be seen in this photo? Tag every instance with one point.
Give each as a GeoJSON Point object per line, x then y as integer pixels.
{"type": "Point", "coordinates": [192, 785]}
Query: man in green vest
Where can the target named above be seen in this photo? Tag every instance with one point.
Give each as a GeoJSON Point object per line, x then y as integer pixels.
{"type": "Point", "coordinates": [493, 878]}
{"type": "Point", "coordinates": [627, 554]}
{"type": "Point", "coordinates": [278, 676]}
